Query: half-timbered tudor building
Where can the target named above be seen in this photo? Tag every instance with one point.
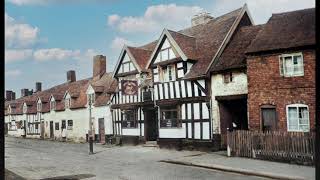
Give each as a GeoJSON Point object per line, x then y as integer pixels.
{"type": "Point", "coordinates": [176, 107]}
{"type": "Point", "coordinates": [62, 112]}
{"type": "Point", "coordinates": [281, 73]}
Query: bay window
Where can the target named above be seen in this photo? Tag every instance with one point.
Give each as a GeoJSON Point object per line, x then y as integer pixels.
{"type": "Point", "coordinates": [298, 117]}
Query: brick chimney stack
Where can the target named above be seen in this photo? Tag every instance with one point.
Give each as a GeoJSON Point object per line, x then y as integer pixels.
{"type": "Point", "coordinates": [9, 95]}
{"type": "Point", "coordinates": [71, 76]}
{"type": "Point", "coordinates": [24, 92]}
{"type": "Point", "coordinates": [99, 66]}
{"type": "Point", "coordinates": [38, 86]}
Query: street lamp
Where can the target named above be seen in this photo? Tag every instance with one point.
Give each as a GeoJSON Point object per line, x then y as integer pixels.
{"type": "Point", "coordinates": [90, 128]}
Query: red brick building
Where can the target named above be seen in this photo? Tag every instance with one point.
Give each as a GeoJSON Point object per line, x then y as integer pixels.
{"type": "Point", "coordinates": [281, 73]}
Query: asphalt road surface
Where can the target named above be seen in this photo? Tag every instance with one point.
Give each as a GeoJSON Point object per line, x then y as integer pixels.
{"type": "Point", "coordinates": [42, 159]}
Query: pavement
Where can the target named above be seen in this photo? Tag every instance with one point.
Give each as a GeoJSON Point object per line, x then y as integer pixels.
{"type": "Point", "coordinates": [41, 159]}
{"type": "Point", "coordinates": [220, 161]}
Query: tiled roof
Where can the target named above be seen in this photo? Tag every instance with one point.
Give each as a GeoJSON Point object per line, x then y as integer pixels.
{"type": "Point", "coordinates": [233, 55]}
{"type": "Point", "coordinates": [286, 30]}
{"type": "Point", "coordinates": [76, 89]}
{"type": "Point", "coordinates": [141, 56]}
{"type": "Point", "coordinates": [186, 43]}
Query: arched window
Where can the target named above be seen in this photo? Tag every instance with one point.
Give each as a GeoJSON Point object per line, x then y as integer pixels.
{"type": "Point", "coordinates": [298, 117]}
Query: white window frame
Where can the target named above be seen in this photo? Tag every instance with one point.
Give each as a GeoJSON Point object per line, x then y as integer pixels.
{"type": "Point", "coordinates": [282, 65]}
{"type": "Point", "coordinates": [297, 106]}
{"type": "Point", "coordinates": [39, 106]}
{"type": "Point", "coordinates": [24, 108]}
{"type": "Point", "coordinates": [92, 98]}
{"type": "Point", "coordinates": [165, 73]}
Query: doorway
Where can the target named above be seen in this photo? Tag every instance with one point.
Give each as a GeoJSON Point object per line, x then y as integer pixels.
{"type": "Point", "coordinates": [269, 118]}
{"type": "Point", "coordinates": [51, 130]}
{"type": "Point", "coordinates": [150, 125]}
{"type": "Point", "coordinates": [102, 136]}
{"type": "Point", "coordinates": [233, 116]}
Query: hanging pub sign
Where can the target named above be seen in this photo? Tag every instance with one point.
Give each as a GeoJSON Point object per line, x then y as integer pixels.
{"type": "Point", "coordinates": [129, 87]}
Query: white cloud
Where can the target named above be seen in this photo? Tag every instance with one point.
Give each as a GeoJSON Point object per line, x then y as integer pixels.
{"type": "Point", "coordinates": [19, 34]}
{"type": "Point", "coordinates": [12, 55]}
{"type": "Point", "coordinates": [55, 54]}
{"type": "Point", "coordinates": [155, 18]}
{"type": "Point", "coordinates": [31, 2]}
{"type": "Point", "coordinates": [261, 10]}
{"type": "Point", "coordinates": [118, 42]}
{"type": "Point", "coordinates": [13, 73]}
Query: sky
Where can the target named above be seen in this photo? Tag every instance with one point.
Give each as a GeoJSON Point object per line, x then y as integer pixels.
{"type": "Point", "coordinates": [46, 38]}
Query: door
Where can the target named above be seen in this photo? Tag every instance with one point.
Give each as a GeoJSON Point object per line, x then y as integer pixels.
{"type": "Point", "coordinates": [51, 129]}
{"type": "Point", "coordinates": [102, 136]}
{"type": "Point", "coordinates": [151, 125]}
{"type": "Point", "coordinates": [269, 119]}
{"type": "Point", "coordinates": [42, 130]}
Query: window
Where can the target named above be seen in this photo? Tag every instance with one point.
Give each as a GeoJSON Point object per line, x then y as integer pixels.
{"type": "Point", "coordinates": [36, 125]}
{"type": "Point", "coordinates": [227, 77]}
{"type": "Point", "coordinates": [52, 105]}
{"type": "Point", "coordinates": [67, 103]}
{"type": "Point", "coordinates": [166, 54]}
{"type": "Point", "coordinates": [70, 124]}
{"type": "Point", "coordinates": [92, 98]}
{"type": "Point", "coordinates": [169, 73]}
{"type": "Point", "coordinates": [56, 126]}
{"type": "Point", "coordinates": [39, 106]}
{"type": "Point", "coordinates": [127, 66]}
{"type": "Point", "coordinates": [63, 124]}
{"type": "Point", "coordinates": [170, 117]}
{"type": "Point", "coordinates": [130, 119]}
{"type": "Point", "coordinates": [24, 108]}
{"type": "Point", "coordinates": [298, 117]}
{"type": "Point", "coordinates": [291, 65]}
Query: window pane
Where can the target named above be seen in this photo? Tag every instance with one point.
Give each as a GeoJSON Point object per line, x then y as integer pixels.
{"type": "Point", "coordinates": [126, 67]}
{"type": "Point", "coordinates": [303, 115]}
{"type": "Point", "coordinates": [298, 65]}
{"type": "Point", "coordinates": [171, 54]}
{"type": "Point", "coordinates": [164, 55]}
{"type": "Point", "coordinates": [288, 65]}
{"type": "Point", "coordinates": [281, 66]}
{"type": "Point", "coordinates": [292, 118]}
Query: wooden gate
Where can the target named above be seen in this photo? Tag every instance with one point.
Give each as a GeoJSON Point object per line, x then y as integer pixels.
{"type": "Point", "coordinates": [296, 147]}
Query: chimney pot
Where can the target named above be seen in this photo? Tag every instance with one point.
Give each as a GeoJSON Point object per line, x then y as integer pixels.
{"type": "Point", "coordinates": [99, 66]}
{"type": "Point", "coordinates": [38, 86]}
{"type": "Point", "coordinates": [71, 76]}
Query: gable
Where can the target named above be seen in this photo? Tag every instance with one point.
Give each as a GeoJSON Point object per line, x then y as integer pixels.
{"type": "Point", "coordinates": [52, 99]}
{"type": "Point", "coordinates": [90, 90]}
{"type": "Point", "coordinates": [166, 51]}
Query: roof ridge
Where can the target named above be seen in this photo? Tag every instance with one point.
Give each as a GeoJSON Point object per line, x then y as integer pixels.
{"type": "Point", "coordinates": [297, 10]}
{"type": "Point", "coordinates": [179, 32]}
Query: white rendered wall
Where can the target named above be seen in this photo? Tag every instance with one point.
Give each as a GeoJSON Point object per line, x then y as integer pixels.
{"type": "Point", "coordinates": [239, 85]}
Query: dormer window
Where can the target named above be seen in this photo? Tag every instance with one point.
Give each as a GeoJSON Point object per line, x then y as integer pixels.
{"type": "Point", "coordinates": [52, 105]}
{"type": "Point", "coordinates": [67, 103]}
{"type": "Point", "coordinates": [24, 109]}
{"type": "Point", "coordinates": [91, 97]}
{"type": "Point", "coordinates": [39, 106]}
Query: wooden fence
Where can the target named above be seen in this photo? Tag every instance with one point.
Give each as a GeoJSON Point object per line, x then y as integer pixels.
{"type": "Point", "coordinates": [293, 147]}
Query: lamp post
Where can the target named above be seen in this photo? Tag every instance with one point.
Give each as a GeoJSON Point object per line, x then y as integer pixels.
{"type": "Point", "coordinates": [90, 128]}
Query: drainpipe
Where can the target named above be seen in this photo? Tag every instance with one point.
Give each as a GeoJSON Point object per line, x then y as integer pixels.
{"type": "Point", "coordinates": [156, 106]}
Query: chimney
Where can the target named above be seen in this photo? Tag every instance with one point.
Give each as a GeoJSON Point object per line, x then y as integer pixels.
{"type": "Point", "coordinates": [99, 66]}
{"type": "Point", "coordinates": [24, 92]}
{"type": "Point", "coordinates": [38, 86]}
{"type": "Point", "coordinates": [200, 18]}
{"type": "Point", "coordinates": [13, 96]}
{"type": "Point", "coordinates": [8, 95]}
{"type": "Point", "coordinates": [71, 76]}
{"type": "Point", "coordinates": [30, 92]}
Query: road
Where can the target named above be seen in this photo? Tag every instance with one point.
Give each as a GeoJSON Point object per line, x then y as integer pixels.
{"type": "Point", "coordinates": [41, 159]}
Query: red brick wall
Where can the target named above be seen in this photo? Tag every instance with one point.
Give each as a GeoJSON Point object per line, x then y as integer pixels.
{"type": "Point", "coordinates": [267, 87]}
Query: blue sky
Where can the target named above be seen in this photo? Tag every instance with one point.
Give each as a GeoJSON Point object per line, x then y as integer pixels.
{"type": "Point", "coordinates": [46, 38]}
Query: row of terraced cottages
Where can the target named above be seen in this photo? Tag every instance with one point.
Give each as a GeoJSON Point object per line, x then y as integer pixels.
{"type": "Point", "coordinates": [62, 112]}
{"type": "Point", "coordinates": [190, 86]}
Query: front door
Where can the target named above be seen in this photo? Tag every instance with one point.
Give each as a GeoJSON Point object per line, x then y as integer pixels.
{"type": "Point", "coordinates": [42, 130]}
{"type": "Point", "coordinates": [269, 119]}
{"type": "Point", "coordinates": [102, 136]}
{"type": "Point", "coordinates": [51, 129]}
{"type": "Point", "coordinates": [151, 125]}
